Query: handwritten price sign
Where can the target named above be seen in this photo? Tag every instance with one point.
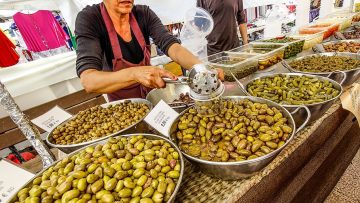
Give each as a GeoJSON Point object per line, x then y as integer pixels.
{"type": "Point", "coordinates": [8, 184]}
{"type": "Point", "coordinates": [51, 119]}
{"type": "Point", "coordinates": [161, 117]}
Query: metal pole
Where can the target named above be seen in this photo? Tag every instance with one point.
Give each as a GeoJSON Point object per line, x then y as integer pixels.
{"type": "Point", "coordinates": [27, 128]}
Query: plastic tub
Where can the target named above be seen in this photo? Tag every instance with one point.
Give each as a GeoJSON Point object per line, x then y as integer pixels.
{"type": "Point", "coordinates": [310, 39]}
{"type": "Point", "coordinates": [329, 29]}
{"type": "Point", "coordinates": [293, 46]}
{"type": "Point", "coordinates": [268, 54]}
{"type": "Point", "coordinates": [240, 64]}
{"type": "Point", "coordinates": [343, 21]}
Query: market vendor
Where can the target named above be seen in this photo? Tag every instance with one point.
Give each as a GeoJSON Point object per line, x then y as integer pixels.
{"type": "Point", "coordinates": [113, 54]}
{"type": "Point", "coordinates": [228, 16]}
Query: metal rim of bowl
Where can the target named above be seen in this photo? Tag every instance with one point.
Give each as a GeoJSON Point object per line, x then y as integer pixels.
{"type": "Point", "coordinates": [135, 100]}
{"type": "Point", "coordinates": [298, 74]}
{"type": "Point", "coordinates": [351, 55]}
{"type": "Point", "coordinates": [181, 158]}
{"type": "Point", "coordinates": [271, 154]}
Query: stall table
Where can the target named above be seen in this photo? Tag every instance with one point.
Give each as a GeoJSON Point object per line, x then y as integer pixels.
{"type": "Point", "coordinates": [305, 171]}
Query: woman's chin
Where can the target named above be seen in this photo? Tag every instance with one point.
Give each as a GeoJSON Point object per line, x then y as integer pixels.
{"type": "Point", "coordinates": [125, 10]}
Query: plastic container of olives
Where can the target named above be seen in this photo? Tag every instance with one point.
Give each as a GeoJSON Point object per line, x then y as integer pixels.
{"type": "Point", "coordinates": [240, 64]}
{"type": "Point", "coordinates": [138, 126]}
{"type": "Point", "coordinates": [293, 46]}
{"type": "Point", "coordinates": [127, 178]}
{"type": "Point", "coordinates": [310, 39]}
{"type": "Point", "coordinates": [268, 54]}
{"type": "Point", "coordinates": [344, 21]}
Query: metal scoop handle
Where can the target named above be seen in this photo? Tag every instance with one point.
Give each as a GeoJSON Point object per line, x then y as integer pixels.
{"type": "Point", "coordinates": [180, 80]}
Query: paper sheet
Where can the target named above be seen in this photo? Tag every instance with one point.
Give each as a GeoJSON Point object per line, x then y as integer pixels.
{"type": "Point", "coordinates": [12, 178]}
{"type": "Point", "coordinates": [350, 100]}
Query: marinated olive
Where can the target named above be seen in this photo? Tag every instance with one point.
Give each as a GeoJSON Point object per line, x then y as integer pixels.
{"type": "Point", "coordinates": [292, 90]}
{"type": "Point", "coordinates": [249, 137]}
{"type": "Point", "coordinates": [319, 64]}
{"type": "Point", "coordinates": [98, 122]}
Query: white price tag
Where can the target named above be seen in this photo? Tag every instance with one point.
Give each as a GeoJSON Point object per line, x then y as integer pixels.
{"type": "Point", "coordinates": [49, 120]}
{"type": "Point", "coordinates": [12, 178]}
{"type": "Point", "coordinates": [161, 117]}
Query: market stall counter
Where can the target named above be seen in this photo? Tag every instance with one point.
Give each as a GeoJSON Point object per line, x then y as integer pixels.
{"type": "Point", "coordinates": [305, 171]}
{"type": "Point", "coordinates": [302, 157]}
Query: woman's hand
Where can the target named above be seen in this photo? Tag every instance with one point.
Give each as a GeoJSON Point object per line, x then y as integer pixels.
{"type": "Point", "coordinates": [151, 76]}
{"type": "Point", "coordinates": [221, 74]}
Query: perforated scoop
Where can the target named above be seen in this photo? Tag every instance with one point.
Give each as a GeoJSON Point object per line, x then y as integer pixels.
{"type": "Point", "coordinates": [204, 83]}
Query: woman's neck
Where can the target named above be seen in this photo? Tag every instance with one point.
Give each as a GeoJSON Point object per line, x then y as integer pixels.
{"type": "Point", "coordinates": [118, 18]}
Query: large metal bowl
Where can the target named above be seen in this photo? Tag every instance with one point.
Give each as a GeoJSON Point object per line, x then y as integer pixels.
{"type": "Point", "coordinates": [137, 127]}
{"type": "Point", "coordinates": [169, 94]}
{"type": "Point", "coordinates": [241, 169]}
{"type": "Point", "coordinates": [350, 75]}
{"type": "Point", "coordinates": [316, 109]}
{"type": "Point", "coordinates": [148, 136]}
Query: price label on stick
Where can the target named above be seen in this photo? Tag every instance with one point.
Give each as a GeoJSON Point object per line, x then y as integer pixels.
{"type": "Point", "coordinates": [161, 117]}
{"type": "Point", "coordinates": [12, 178]}
{"type": "Point", "coordinates": [49, 120]}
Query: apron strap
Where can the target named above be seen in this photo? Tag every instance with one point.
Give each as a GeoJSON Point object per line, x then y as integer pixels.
{"type": "Point", "coordinates": [114, 41]}
{"type": "Point", "coordinates": [137, 31]}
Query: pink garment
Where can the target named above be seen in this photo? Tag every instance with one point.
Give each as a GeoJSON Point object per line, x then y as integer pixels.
{"type": "Point", "coordinates": [40, 30]}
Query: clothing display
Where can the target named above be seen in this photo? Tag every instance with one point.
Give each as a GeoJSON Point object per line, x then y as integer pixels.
{"type": "Point", "coordinates": [8, 55]}
{"type": "Point", "coordinates": [40, 31]}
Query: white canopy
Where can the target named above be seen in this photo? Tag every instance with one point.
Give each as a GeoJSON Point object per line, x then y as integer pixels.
{"type": "Point", "coordinates": [169, 11]}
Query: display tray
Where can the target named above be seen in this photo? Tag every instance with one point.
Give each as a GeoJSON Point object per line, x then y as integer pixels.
{"type": "Point", "coordinates": [343, 21]}
{"type": "Point", "coordinates": [72, 147]}
{"type": "Point", "coordinates": [310, 39]}
{"type": "Point", "coordinates": [240, 64]}
{"type": "Point", "coordinates": [268, 54]}
{"type": "Point", "coordinates": [329, 28]}
{"type": "Point", "coordinates": [293, 45]}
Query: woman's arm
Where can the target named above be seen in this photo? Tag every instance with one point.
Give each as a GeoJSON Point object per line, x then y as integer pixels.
{"type": "Point", "coordinates": [108, 82]}
{"type": "Point", "coordinates": [182, 56]}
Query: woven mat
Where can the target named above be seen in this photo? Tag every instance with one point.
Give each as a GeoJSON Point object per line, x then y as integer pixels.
{"type": "Point", "coordinates": [197, 187]}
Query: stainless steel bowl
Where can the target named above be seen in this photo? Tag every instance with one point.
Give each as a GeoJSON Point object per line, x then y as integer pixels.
{"type": "Point", "coordinates": [148, 136]}
{"type": "Point", "coordinates": [137, 127]}
{"type": "Point", "coordinates": [350, 75]}
{"type": "Point", "coordinates": [169, 94]}
{"type": "Point", "coordinates": [241, 169]}
{"type": "Point", "coordinates": [316, 109]}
